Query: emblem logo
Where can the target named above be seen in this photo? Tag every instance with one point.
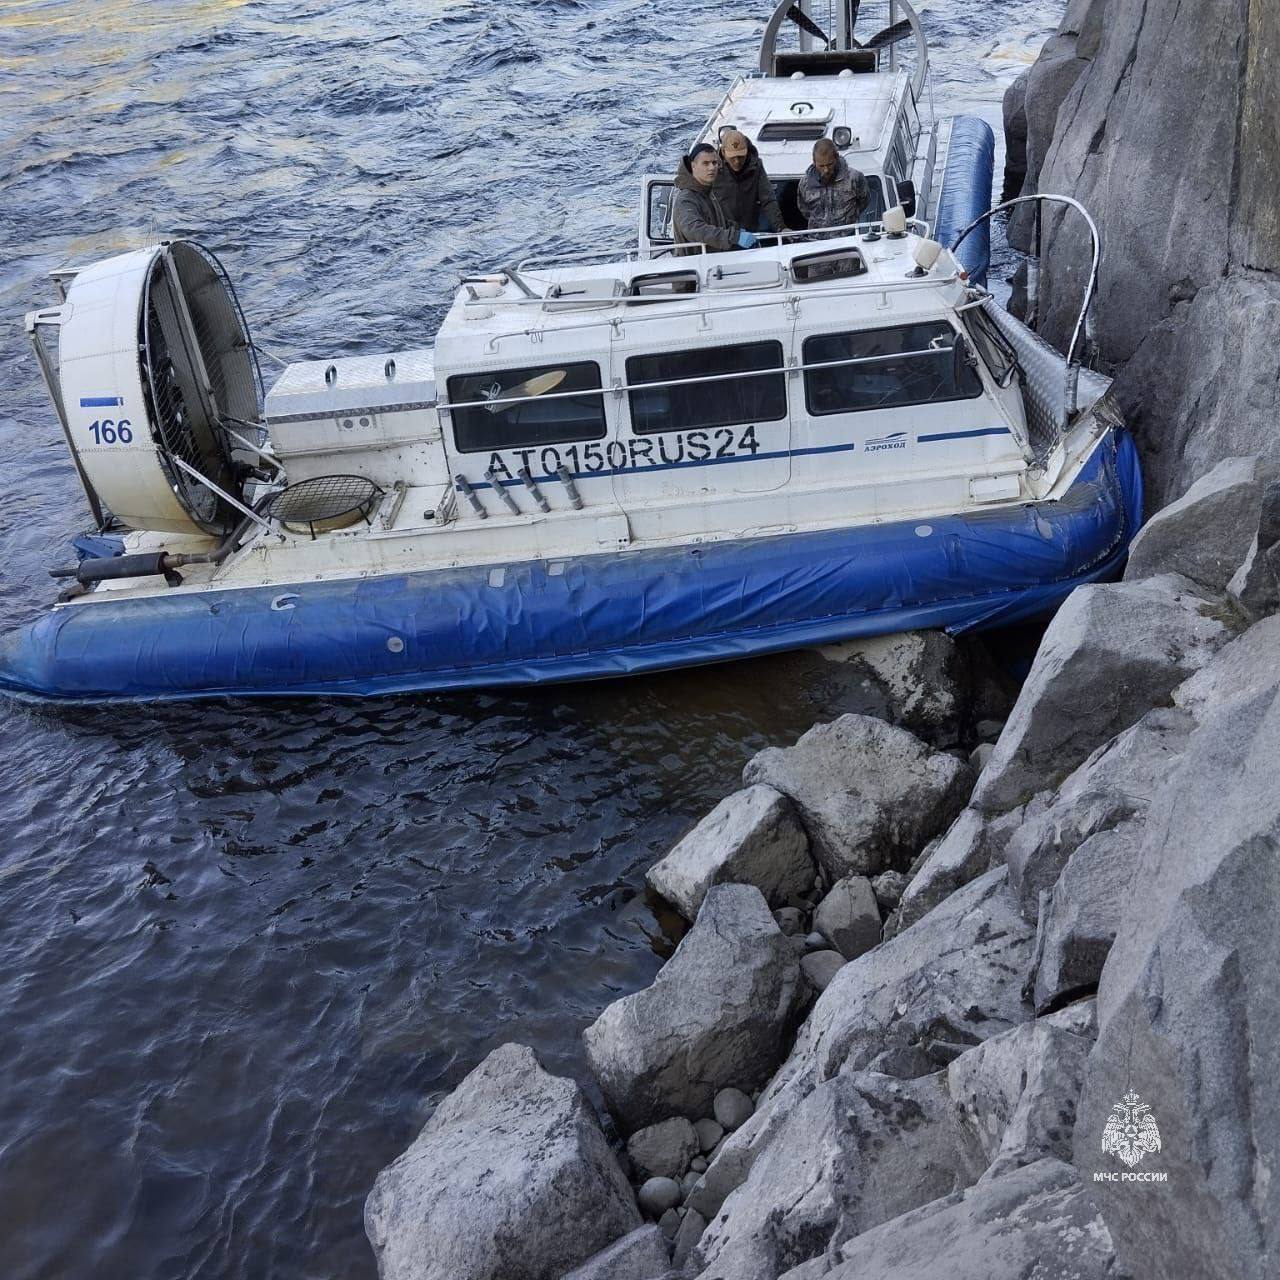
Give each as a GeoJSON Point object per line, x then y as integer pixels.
{"type": "Point", "coordinates": [1131, 1131]}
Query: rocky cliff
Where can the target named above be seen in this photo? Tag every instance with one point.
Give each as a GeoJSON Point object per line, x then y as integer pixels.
{"type": "Point", "coordinates": [1161, 118]}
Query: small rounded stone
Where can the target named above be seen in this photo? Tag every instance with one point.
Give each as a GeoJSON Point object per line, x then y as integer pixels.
{"type": "Point", "coordinates": [790, 921]}
{"type": "Point", "coordinates": [658, 1195]}
{"type": "Point", "coordinates": [815, 942]}
{"type": "Point", "coordinates": [698, 1164]}
{"type": "Point", "coordinates": [732, 1108]}
{"type": "Point", "coordinates": [709, 1133]}
{"type": "Point", "coordinates": [669, 1224]}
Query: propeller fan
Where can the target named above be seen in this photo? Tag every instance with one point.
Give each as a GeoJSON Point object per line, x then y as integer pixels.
{"type": "Point", "coordinates": [890, 35]}
{"type": "Point", "coordinates": [881, 40]}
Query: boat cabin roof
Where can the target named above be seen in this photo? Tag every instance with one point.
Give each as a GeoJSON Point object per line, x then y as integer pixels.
{"type": "Point", "coordinates": [537, 299]}
{"type": "Point", "coordinates": [785, 116]}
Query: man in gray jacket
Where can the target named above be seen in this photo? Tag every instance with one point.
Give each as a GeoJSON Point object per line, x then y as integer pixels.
{"type": "Point", "coordinates": [743, 186]}
{"type": "Point", "coordinates": [831, 194]}
{"type": "Point", "coordinates": [697, 215]}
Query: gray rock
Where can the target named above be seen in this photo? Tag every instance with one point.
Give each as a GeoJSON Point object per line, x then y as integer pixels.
{"type": "Point", "coordinates": [687, 1183]}
{"type": "Point", "coordinates": [485, 1190]}
{"type": "Point", "coordinates": [1049, 81]}
{"type": "Point", "coordinates": [1037, 1221]}
{"type": "Point", "coordinates": [1080, 914]}
{"type": "Point", "coordinates": [1200, 388]}
{"type": "Point", "coordinates": [947, 983]}
{"type": "Point", "coordinates": [888, 887]}
{"type": "Point", "coordinates": [859, 1150]}
{"type": "Point", "coordinates": [692, 1225]}
{"type": "Point", "coordinates": [663, 1150]}
{"type": "Point", "coordinates": [981, 755]}
{"type": "Point", "coordinates": [1114, 786]}
{"type": "Point", "coordinates": [1014, 112]}
{"type": "Point", "coordinates": [1018, 1092]}
{"type": "Point", "coordinates": [960, 856]}
{"type": "Point", "coordinates": [790, 920]}
{"type": "Point", "coordinates": [657, 1195]}
{"type": "Point", "coordinates": [669, 1225]}
{"type": "Point", "coordinates": [698, 1164]}
{"type": "Point", "coordinates": [869, 794]}
{"type": "Point", "coordinates": [821, 967]}
{"type": "Point", "coordinates": [1189, 1001]}
{"type": "Point", "coordinates": [733, 1108]}
{"type": "Point", "coordinates": [641, 1255]}
{"type": "Point", "coordinates": [989, 730]}
{"type": "Point", "coordinates": [849, 917]}
{"type": "Point", "coordinates": [1112, 652]}
{"type": "Point", "coordinates": [950, 978]}
{"type": "Point", "coordinates": [815, 942]}
{"type": "Point", "coordinates": [719, 1012]}
{"type": "Point", "coordinates": [922, 674]}
{"type": "Point", "coordinates": [709, 1133]}
{"type": "Point", "coordinates": [1255, 586]}
{"type": "Point", "coordinates": [1206, 533]}
{"type": "Point", "coordinates": [750, 837]}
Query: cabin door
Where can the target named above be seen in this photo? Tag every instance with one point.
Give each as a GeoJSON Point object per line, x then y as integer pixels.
{"type": "Point", "coordinates": [702, 391]}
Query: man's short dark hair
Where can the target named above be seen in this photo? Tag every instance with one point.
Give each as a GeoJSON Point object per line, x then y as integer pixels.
{"type": "Point", "coordinates": [825, 147]}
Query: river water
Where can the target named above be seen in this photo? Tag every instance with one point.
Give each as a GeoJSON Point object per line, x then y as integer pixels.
{"type": "Point", "coordinates": [245, 948]}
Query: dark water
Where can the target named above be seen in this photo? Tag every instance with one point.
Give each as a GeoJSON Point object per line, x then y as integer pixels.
{"type": "Point", "coordinates": [242, 948]}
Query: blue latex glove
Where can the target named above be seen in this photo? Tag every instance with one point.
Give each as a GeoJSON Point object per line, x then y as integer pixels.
{"type": "Point", "coordinates": [746, 240]}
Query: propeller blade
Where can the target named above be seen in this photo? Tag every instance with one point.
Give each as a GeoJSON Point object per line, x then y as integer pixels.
{"type": "Point", "coordinates": [890, 35]}
{"type": "Point", "coordinates": [806, 23]}
{"type": "Point", "coordinates": [538, 386]}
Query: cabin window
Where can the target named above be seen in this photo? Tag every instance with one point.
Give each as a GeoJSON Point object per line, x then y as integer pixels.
{"type": "Point", "coordinates": [724, 401]}
{"type": "Point", "coordinates": [549, 404]}
{"type": "Point", "coordinates": [910, 364]}
{"type": "Point", "coordinates": [837, 264]}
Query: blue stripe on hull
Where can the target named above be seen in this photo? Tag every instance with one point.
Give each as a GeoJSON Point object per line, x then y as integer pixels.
{"type": "Point", "coordinates": [601, 615]}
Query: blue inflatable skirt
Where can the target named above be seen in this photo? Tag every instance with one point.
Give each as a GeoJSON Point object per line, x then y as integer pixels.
{"type": "Point", "coordinates": [587, 617]}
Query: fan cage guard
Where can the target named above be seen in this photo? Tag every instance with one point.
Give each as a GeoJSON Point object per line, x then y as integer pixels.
{"type": "Point", "coordinates": [181, 427]}
{"type": "Point", "coordinates": [323, 503]}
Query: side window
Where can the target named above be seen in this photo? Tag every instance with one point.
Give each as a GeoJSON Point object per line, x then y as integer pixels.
{"type": "Point", "coordinates": [884, 368]}
{"type": "Point", "coordinates": [549, 404]}
{"type": "Point", "coordinates": [723, 402]}
{"type": "Point", "coordinates": [658, 213]}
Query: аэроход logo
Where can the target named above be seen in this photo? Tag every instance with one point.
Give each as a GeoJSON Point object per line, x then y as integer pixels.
{"type": "Point", "coordinates": [1131, 1133]}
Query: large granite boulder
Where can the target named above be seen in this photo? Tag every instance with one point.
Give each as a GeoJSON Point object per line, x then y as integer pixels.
{"type": "Point", "coordinates": [1037, 1221]}
{"type": "Point", "coordinates": [1014, 115]}
{"type": "Point", "coordinates": [1079, 916]}
{"type": "Point", "coordinates": [906, 1008]}
{"type": "Point", "coordinates": [970, 846]}
{"type": "Point", "coordinates": [1189, 1000]}
{"type": "Point", "coordinates": [923, 676]}
{"type": "Point", "coordinates": [1111, 789]}
{"type": "Point", "coordinates": [1111, 653]}
{"type": "Point", "coordinates": [510, 1179]}
{"type": "Point", "coordinates": [860, 1149]}
{"type": "Point", "coordinates": [869, 794]}
{"type": "Point", "coordinates": [750, 837]}
{"type": "Point", "coordinates": [1018, 1093]}
{"type": "Point", "coordinates": [719, 1013]}
{"type": "Point", "coordinates": [1255, 585]}
{"type": "Point", "coordinates": [1048, 82]}
{"type": "Point", "coordinates": [1205, 534]}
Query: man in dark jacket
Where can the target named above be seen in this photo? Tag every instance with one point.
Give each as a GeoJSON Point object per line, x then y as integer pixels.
{"type": "Point", "coordinates": [697, 215]}
{"type": "Point", "coordinates": [743, 186]}
{"type": "Point", "coordinates": [831, 194]}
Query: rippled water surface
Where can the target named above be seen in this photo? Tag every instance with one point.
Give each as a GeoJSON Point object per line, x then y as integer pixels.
{"type": "Point", "coordinates": [244, 948]}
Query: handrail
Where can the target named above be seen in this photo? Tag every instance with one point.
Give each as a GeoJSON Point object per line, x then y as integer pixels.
{"type": "Point", "coordinates": [1090, 287]}
{"type": "Point", "coordinates": [618, 388]}
{"type": "Point", "coordinates": [692, 249]}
